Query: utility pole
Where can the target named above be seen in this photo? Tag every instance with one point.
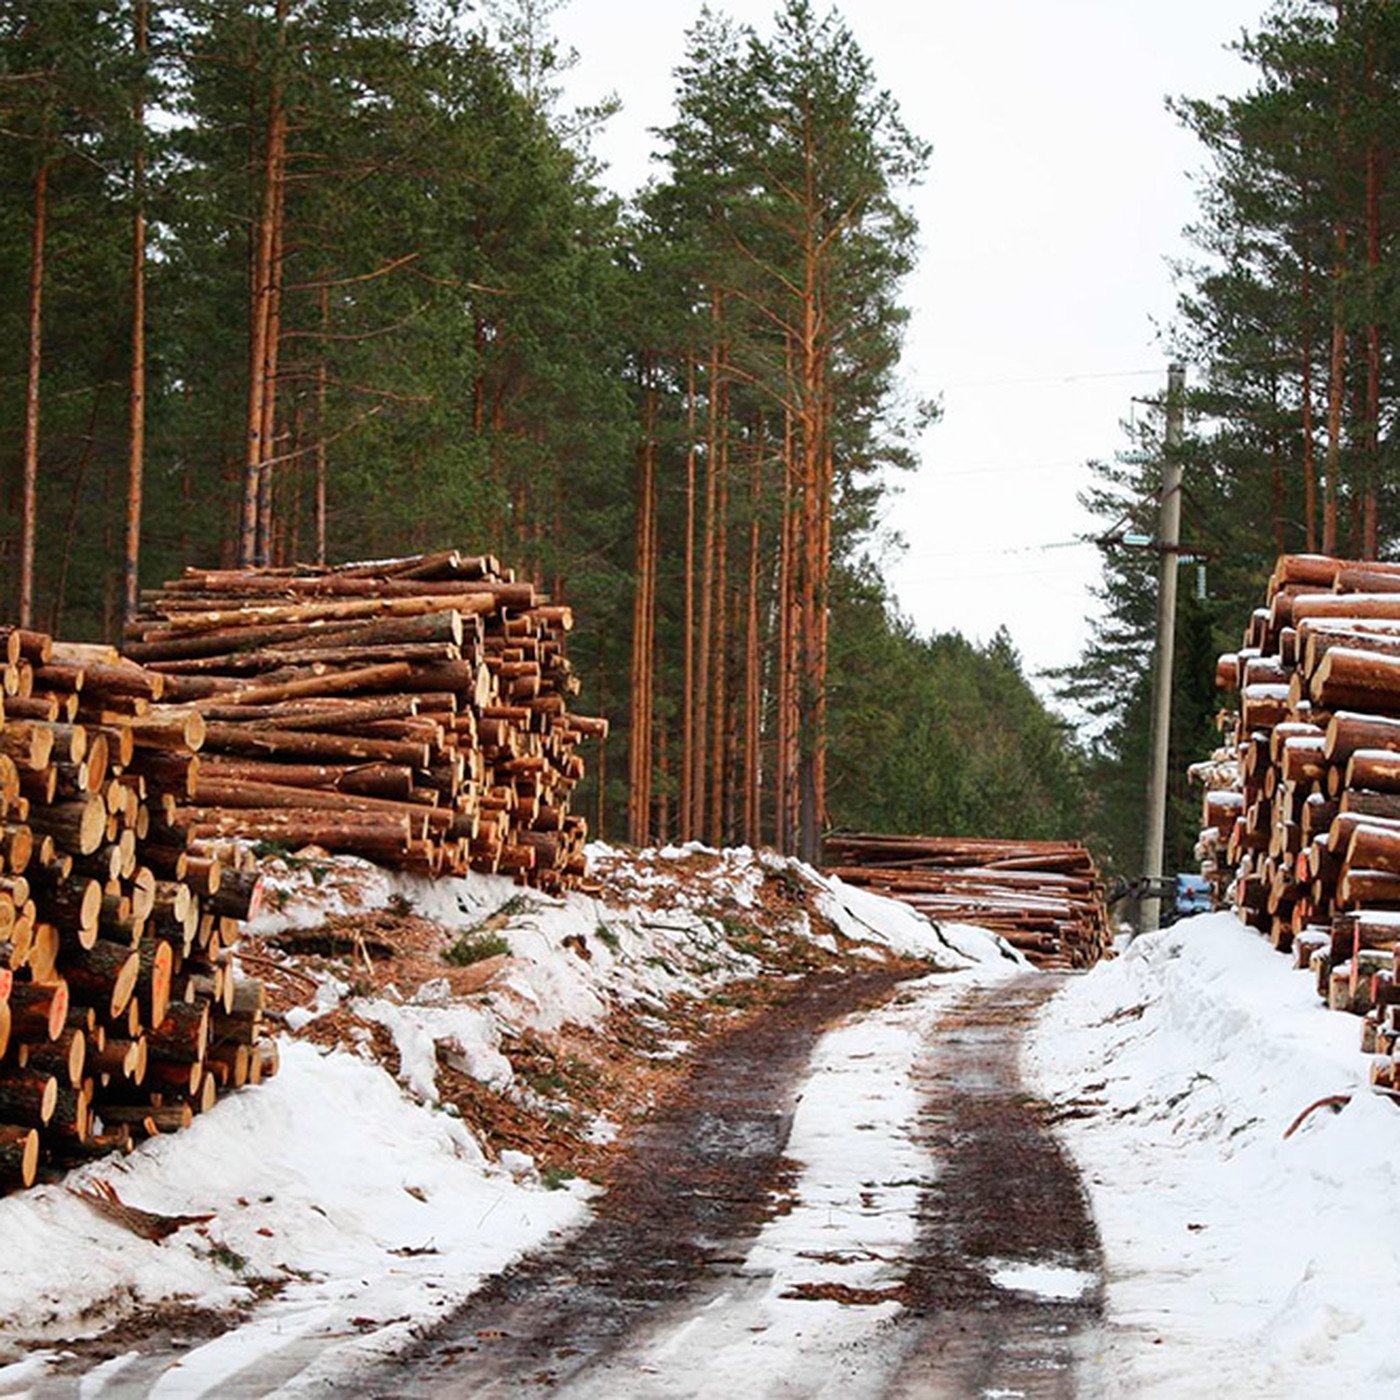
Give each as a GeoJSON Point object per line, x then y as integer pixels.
{"type": "Point", "coordinates": [1169, 547]}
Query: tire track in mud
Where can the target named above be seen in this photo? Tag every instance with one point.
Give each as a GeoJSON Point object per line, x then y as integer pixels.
{"type": "Point", "coordinates": [1007, 1204]}
{"type": "Point", "coordinates": [700, 1180]}
{"type": "Point", "coordinates": [1003, 1224]}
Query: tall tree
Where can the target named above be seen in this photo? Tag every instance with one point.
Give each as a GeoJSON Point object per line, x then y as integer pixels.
{"type": "Point", "coordinates": [784, 171]}
{"type": "Point", "coordinates": [136, 433]}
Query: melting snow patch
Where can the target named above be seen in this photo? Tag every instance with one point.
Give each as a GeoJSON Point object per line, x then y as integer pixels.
{"type": "Point", "coordinates": [1051, 1281]}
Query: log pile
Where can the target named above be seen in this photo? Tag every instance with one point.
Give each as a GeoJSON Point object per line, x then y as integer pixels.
{"type": "Point", "coordinates": [121, 1015]}
{"type": "Point", "coordinates": [1043, 897]}
{"type": "Point", "coordinates": [413, 711]}
{"type": "Point", "coordinates": [1305, 841]}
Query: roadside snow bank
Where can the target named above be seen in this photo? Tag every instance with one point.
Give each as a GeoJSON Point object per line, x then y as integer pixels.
{"type": "Point", "coordinates": [675, 921]}
{"type": "Point", "coordinates": [326, 1179]}
{"type": "Point", "coordinates": [1231, 1254]}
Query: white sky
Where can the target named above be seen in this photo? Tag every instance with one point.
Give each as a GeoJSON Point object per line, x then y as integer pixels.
{"type": "Point", "coordinates": [1057, 192]}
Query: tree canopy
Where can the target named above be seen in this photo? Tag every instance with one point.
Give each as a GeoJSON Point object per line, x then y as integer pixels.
{"type": "Point", "coordinates": [298, 280]}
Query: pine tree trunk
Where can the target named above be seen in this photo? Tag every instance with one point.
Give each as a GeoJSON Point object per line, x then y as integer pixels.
{"type": "Point", "coordinates": [703, 641]}
{"type": "Point", "coordinates": [784, 756]}
{"type": "Point", "coordinates": [1309, 444]}
{"type": "Point", "coordinates": [810, 459]}
{"type": "Point", "coordinates": [272, 352]}
{"type": "Point", "coordinates": [1369, 539]}
{"type": "Point", "coordinates": [688, 760]}
{"type": "Point", "coordinates": [752, 652]}
{"type": "Point", "coordinates": [136, 416]}
{"type": "Point", "coordinates": [1276, 493]}
{"type": "Point", "coordinates": [720, 629]}
{"type": "Point", "coordinates": [259, 321]}
{"type": "Point", "coordinates": [663, 801]}
{"type": "Point", "coordinates": [322, 428]}
{"type": "Point", "coordinates": [823, 631]}
{"type": "Point", "coordinates": [29, 498]}
{"type": "Point", "coordinates": [1335, 388]}
{"type": "Point", "coordinates": [1337, 360]}
{"type": "Point", "coordinates": [643, 613]}
{"type": "Point", "coordinates": [653, 540]}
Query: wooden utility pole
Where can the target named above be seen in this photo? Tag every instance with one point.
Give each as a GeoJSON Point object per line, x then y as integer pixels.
{"type": "Point", "coordinates": [1168, 543]}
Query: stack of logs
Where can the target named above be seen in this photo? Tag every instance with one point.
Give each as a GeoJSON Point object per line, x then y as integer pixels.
{"type": "Point", "coordinates": [1302, 806]}
{"type": "Point", "coordinates": [1043, 897]}
{"type": "Point", "coordinates": [120, 1014]}
{"type": "Point", "coordinates": [413, 711]}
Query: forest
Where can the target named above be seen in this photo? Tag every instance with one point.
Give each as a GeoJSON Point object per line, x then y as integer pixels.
{"type": "Point", "coordinates": [318, 280]}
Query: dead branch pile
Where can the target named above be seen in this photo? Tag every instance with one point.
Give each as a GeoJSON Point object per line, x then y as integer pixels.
{"type": "Point", "coordinates": [1304, 838]}
{"type": "Point", "coordinates": [120, 1012]}
{"type": "Point", "coordinates": [1043, 897]}
{"type": "Point", "coordinates": [413, 711]}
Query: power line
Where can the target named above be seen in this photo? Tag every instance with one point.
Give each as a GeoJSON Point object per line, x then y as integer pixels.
{"type": "Point", "coordinates": [1013, 549]}
{"type": "Point", "coordinates": [1074, 378]}
{"type": "Point", "coordinates": [991, 469]}
{"type": "Point", "coordinates": [929, 580]}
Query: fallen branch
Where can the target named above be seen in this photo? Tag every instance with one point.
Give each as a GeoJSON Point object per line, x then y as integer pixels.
{"type": "Point", "coordinates": [1337, 1101]}
{"type": "Point", "coordinates": [149, 1224]}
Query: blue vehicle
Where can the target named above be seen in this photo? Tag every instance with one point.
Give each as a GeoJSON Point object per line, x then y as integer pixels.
{"type": "Point", "coordinates": [1180, 896]}
{"type": "Point", "coordinates": [1192, 896]}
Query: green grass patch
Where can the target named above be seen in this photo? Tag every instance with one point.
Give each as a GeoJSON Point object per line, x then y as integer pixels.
{"type": "Point", "coordinates": [476, 947]}
{"type": "Point", "coordinates": [230, 1259]}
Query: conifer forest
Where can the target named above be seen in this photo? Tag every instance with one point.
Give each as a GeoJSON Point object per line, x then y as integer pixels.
{"type": "Point", "coordinates": [323, 280]}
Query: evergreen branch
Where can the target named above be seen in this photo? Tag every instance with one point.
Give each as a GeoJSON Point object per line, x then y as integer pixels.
{"type": "Point", "coordinates": [285, 457]}
{"type": "Point", "coordinates": [378, 272]}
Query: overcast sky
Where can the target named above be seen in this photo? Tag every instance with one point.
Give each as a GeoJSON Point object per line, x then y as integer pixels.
{"type": "Point", "coordinates": [1057, 192]}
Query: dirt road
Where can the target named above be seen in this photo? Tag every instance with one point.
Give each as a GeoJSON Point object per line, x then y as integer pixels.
{"type": "Point", "coordinates": [999, 1295]}
{"type": "Point", "coordinates": [985, 1278]}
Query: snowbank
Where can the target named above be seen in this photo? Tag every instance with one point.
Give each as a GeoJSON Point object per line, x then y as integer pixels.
{"type": "Point", "coordinates": [1232, 1254]}
{"type": "Point", "coordinates": [678, 921]}
{"type": "Point", "coordinates": [326, 1179]}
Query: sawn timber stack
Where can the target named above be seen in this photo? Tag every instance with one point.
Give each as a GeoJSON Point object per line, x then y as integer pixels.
{"type": "Point", "coordinates": [121, 1014]}
{"type": "Point", "coordinates": [1301, 829]}
{"type": "Point", "coordinates": [1043, 897]}
{"type": "Point", "coordinates": [413, 711]}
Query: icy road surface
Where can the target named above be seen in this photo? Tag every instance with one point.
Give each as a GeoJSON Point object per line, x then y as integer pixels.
{"type": "Point", "coordinates": [885, 1218]}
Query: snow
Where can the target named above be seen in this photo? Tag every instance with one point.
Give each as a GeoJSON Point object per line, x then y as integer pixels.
{"type": "Point", "coordinates": [1229, 1251]}
{"type": "Point", "coordinates": [370, 1207]}
{"type": "Point", "coordinates": [326, 1178]}
{"type": "Point", "coordinates": [1039, 1279]}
